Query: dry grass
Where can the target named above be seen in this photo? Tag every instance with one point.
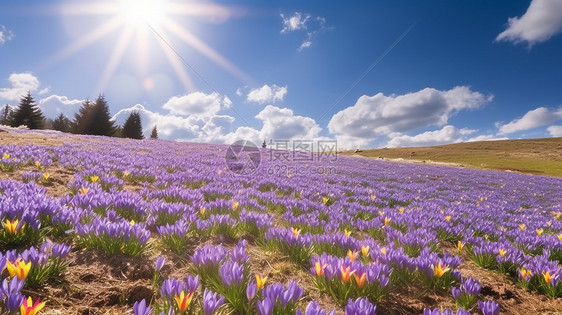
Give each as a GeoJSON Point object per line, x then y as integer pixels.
{"type": "Point", "coordinates": [531, 156]}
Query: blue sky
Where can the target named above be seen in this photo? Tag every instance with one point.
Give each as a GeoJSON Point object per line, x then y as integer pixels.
{"type": "Point", "coordinates": [367, 73]}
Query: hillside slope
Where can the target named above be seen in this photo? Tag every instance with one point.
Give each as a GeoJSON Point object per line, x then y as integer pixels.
{"type": "Point", "coordinates": [533, 156]}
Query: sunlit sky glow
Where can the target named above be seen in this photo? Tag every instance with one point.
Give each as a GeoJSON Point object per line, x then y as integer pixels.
{"type": "Point", "coordinates": [367, 73]}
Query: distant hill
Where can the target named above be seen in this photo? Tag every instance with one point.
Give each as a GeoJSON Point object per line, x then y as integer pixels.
{"type": "Point", "coordinates": [533, 156]}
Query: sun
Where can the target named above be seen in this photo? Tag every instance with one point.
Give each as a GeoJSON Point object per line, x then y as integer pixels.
{"type": "Point", "coordinates": [141, 24]}
{"type": "Point", "coordinates": [142, 13]}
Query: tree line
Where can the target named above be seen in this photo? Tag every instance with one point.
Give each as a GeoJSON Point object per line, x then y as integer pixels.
{"type": "Point", "coordinates": [93, 118]}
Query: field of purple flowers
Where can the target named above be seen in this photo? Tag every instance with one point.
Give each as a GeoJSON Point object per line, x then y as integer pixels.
{"type": "Point", "coordinates": [96, 225]}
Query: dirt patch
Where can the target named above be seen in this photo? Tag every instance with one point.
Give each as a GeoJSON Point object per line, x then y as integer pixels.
{"type": "Point", "coordinates": [96, 283]}
{"type": "Point", "coordinates": [512, 298]}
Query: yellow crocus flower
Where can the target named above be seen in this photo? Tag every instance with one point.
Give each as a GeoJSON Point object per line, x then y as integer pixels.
{"type": "Point", "coordinates": [387, 221]}
{"type": "Point", "coordinates": [260, 281]}
{"type": "Point", "coordinates": [296, 232]}
{"type": "Point", "coordinates": [18, 269]}
{"type": "Point", "coordinates": [439, 271]}
{"type": "Point", "coordinates": [365, 250]}
{"type": "Point", "coordinates": [27, 307]}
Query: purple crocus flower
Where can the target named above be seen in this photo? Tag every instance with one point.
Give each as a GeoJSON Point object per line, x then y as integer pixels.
{"type": "Point", "coordinates": [313, 308]}
{"type": "Point", "coordinates": [192, 283]}
{"type": "Point", "coordinates": [292, 294]}
{"type": "Point", "coordinates": [489, 307]}
{"type": "Point", "coordinates": [361, 306]}
{"type": "Point", "coordinates": [265, 307]}
{"type": "Point", "coordinates": [471, 286]}
{"type": "Point", "coordinates": [211, 302]}
{"type": "Point", "coordinates": [160, 261]}
{"type": "Point", "coordinates": [238, 254]}
{"type": "Point", "coordinates": [171, 288]}
{"type": "Point", "coordinates": [209, 255]}
{"type": "Point", "coordinates": [12, 294]}
{"type": "Point", "coordinates": [446, 311]}
{"type": "Point", "coordinates": [140, 308]}
{"type": "Point", "coordinates": [60, 250]}
{"type": "Point", "coordinates": [232, 273]}
{"type": "Point", "coordinates": [456, 292]}
{"type": "Point", "coordinates": [251, 291]}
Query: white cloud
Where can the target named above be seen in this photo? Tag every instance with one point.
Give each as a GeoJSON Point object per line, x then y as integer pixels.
{"type": "Point", "coordinates": [486, 138]}
{"type": "Point", "coordinates": [283, 124]}
{"type": "Point", "coordinates": [306, 44]}
{"type": "Point", "coordinates": [555, 131]}
{"type": "Point", "coordinates": [377, 115]}
{"type": "Point", "coordinates": [197, 104]}
{"type": "Point", "coordinates": [300, 21]}
{"type": "Point", "coordinates": [5, 35]}
{"type": "Point", "coordinates": [267, 94]}
{"type": "Point", "coordinates": [173, 127]}
{"type": "Point", "coordinates": [295, 22]}
{"type": "Point", "coordinates": [54, 105]}
{"type": "Point", "coordinates": [446, 135]}
{"type": "Point", "coordinates": [21, 83]}
{"type": "Point", "coordinates": [277, 124]}
{"type": "Point", "coordinates": [44, 91]}
{"type": "Point", "coordinates": [349, 142]}
{"type": "Point", "coordinates": [532, 119]}
{"type": "Point", "coordinates": [542, 20]}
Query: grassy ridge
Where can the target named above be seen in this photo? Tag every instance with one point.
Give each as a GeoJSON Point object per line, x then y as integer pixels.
{"type": "Point", "coordinates": [533, 156]}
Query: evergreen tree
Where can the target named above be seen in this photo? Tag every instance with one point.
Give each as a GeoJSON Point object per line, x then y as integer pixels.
{"type": "Point", "coordinates": [94, 119]}
{"type": "Point", "coordinates": [62, 123]}
{"type": "Point", "coordinates": [133, 127]}
{"type": "Point", "coordinates": [27, 114]}
{"type": "Point", "coordinates": [5, 115]}
{"type": "Point", "coordinates": [102, 124]}
{"type": "Point", "coordinates": [83, 119]}
{"type": "Point", "coordinates": [154, 134]}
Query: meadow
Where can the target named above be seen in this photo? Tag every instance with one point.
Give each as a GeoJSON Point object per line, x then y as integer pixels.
{"type": "Point", "coordinates": [96, 225]}
{"type": "Point", "coordinates": [529, 156]}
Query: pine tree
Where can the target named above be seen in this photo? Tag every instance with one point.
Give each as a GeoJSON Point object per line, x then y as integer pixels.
{"type": "Point", "coordinates": [62, 123]}
{"type": "Point", "coordinates": [27, 114]}
{"type": "Point", "coordinates": [5, 115]}
{"type": "Point", "coordinates": [94, 119]}
{"type": "Point", "coordinates": [154, 134]}
{"type": "Point", "coordinates": [102, 124]}
{"type": "Point", "coordinates": [83, 119]}
{"type": "Point", "coordinates": [132, 128]}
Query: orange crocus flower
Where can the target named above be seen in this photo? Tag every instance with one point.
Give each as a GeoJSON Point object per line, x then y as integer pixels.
{"type": "Point", "coordinates": [360, 279]}
{"type": "Point", "coordinates": [183, 301]}
{"type": "Point", "coordinates": [346, 273]}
